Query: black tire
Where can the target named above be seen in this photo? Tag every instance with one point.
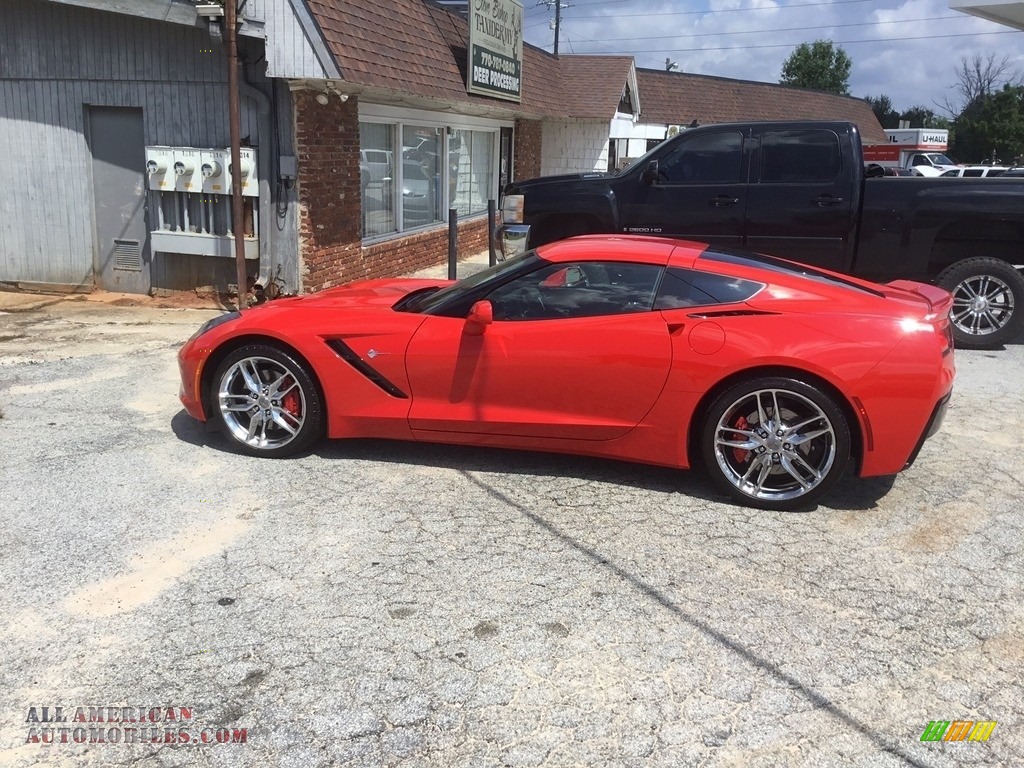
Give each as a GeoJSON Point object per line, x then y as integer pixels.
{"type": "Point", "coordinates": [266, 402]}
{"type": "Point", "coordinates": [778, 464]}
{"type": "Point", "coordinates": [988, 302]}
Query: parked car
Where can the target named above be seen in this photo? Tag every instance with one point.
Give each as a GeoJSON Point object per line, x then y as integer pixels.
{"type": "Point", "coordinates": [419, 201]}
{"type": "Point", "coordinates": [375, 165]}
{"type": "Point", "coordinates": [771, 374]}
{"type": "Point", "coordinates": [975, 172]}
{"type": "Point", "coordinates": [797, 189]}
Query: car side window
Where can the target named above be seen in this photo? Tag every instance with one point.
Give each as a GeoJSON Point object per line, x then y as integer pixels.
{"type": "Point", "coordinates": [577, 289]}
{"type": "Point", "coordinates": [801, 156]}
{"type": "Point", "coordinates": [692, 288]}
{"type": "Point", "coordinates": [713, 158]}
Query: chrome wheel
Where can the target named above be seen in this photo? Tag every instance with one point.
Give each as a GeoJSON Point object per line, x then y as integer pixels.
{"type": "Point", "coordinates": [262, 403]}
{"type": "Point", "coordinates": [777, 445]}
{"type": "Point", "coordinates": [982, 305]}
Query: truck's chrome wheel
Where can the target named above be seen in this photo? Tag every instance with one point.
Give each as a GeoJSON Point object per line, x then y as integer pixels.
{"type": "Point", "coordinates": [982, 305]}
{"type": "Point", "coordinates": [988, 302]}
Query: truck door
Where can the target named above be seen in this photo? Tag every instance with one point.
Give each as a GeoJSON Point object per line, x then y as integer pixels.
{"type": "Point", "coordinates": [801, 206]}
{"type": "Point", "coordinates": [700, 192]}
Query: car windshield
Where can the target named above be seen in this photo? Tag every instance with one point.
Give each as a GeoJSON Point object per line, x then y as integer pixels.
{"type": "Point", "coordinates": [941, 160]}
{"type": "Point", "coordinates": [424, 302]}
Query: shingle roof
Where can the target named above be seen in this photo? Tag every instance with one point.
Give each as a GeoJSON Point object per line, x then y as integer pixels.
{"type": "Point", "coordinates": [592, 85]}
{"type": "Point", "coordinates": [418, 48]}
{"type": "Point", "coordinates": [678, 98]}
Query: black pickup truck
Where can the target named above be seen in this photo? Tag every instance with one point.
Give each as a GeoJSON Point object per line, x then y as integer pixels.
{"type": "Point", "coordinates": [799, 190]}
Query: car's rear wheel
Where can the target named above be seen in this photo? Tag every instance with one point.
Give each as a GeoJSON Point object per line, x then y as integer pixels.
{"type": "Point", "coordinates": [988, 302]}
{"type": "Point", "coordinates": [775, 442]}
{"type": "Point", "coordinates": [266, 402]}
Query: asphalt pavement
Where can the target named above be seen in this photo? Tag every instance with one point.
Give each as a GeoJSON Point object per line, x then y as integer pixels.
{"type": "Point", "coordinates": [386, 604]}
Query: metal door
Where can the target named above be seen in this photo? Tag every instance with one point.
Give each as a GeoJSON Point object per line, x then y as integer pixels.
{"type": "Point", "coordinates": [121, 249]}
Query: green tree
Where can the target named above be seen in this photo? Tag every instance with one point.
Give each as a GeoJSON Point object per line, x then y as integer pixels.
{"type": "Point", "coordinates": [819, 65]}
{"type": "Point", "coordinates": [922, 117]}
{"type": "Point", "coordinates": [882, 107]}
{"type": "Point", "coordinates": [991, 127]}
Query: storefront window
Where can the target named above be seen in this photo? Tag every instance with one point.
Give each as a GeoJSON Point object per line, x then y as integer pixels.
{"type": "Point", "coordinates": [471, 171]}
{"type": "Point", "coordinates": [409, 181]}
{"type": "Point", "coordinates": [421, 176]}
{"type": "Point", "coordinates": [376, 177]}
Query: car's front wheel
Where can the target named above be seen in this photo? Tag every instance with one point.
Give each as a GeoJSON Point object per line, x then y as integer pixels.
{"type": "Point", "coordinates": [266, 402]}
{"type": "Point", "coordinates": [775, 442]}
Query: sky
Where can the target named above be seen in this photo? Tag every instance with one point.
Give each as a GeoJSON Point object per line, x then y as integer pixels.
{"type": "Point", "coordinates": [907, 50]}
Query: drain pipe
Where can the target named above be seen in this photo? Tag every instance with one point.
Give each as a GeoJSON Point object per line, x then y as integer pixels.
{"type": "Point", "coordinates": [264, 164]}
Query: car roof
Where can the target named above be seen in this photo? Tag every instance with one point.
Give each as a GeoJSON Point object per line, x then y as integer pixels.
{"type": "Point", "coordinates": [640, 248]}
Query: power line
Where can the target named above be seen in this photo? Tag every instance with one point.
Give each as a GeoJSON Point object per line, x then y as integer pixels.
{"type": "Point", "coordinates": [782, 29]}
{"type": "Point", "coordinates": [721, 10]}
{"type": "Point", "coordinates": [793, 45]}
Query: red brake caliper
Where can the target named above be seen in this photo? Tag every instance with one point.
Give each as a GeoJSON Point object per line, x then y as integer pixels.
{"type": "Point", "coordinates": [740, 453]}
{"type": "Point", "coordinates": [292, 404]}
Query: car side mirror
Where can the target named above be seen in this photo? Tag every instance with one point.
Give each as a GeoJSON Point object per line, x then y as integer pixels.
{"type": "Point", "coordinates": [650, 174]}
{"type": "Point", "coordinates": [480, 316]}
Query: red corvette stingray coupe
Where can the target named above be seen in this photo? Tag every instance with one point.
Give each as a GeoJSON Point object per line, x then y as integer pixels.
{"type": "Point", "coordinates": [772, 374]}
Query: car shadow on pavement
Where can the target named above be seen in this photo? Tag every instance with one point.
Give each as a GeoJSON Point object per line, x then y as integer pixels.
{"type": "Point", "coordinates": [852, 493]}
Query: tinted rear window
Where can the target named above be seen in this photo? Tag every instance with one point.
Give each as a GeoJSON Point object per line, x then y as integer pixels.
{"type": "Point", "coordinates": [781, 266]}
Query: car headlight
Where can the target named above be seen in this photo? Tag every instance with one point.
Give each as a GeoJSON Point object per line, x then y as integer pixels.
{"type": "Point", "coordinates": [213, 322]}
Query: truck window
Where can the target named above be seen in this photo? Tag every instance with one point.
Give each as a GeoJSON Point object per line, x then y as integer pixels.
{"type": "Point", "coordinates": [710, 158]}
{"type": "Point", "coordinates": [805, 155]}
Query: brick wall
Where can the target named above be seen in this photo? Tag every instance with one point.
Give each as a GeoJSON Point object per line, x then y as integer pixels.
{"type": "Point", "coordinates": [330, 212]}
{"type": "Point", "coordinates": [413, 252]}
{"type": "Point", "coordinates": [327, 145]}
{"type": "Point", "coordinates": [527, 149]}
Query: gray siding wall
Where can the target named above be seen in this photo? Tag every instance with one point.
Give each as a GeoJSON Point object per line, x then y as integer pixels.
{"type": "Point", "coordinates": [54, 61]}
{"type": "Point", "coordinates": [289, 52]}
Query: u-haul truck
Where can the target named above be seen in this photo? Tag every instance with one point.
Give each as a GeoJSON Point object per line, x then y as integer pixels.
{"type": "Point", "coordinates": [923, 149]}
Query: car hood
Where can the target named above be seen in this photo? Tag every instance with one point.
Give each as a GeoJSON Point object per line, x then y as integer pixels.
{"type": "Point", "coordinates": [366, 293]}
{"type": "Point", "coordinates": [520, 187]}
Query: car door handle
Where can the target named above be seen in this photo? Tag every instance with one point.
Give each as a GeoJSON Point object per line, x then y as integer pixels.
{"type": "Point", "coordinates": [720, 200]}
{"type": "Point", "coordinates": [826, 200]}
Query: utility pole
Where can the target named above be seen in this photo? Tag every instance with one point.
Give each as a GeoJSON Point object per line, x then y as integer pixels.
{"type": "Point", "coordinates": [558, 5]}
{"type": "Point", "coordinates": [234, 128]}
{"type": "Point", "coordinates": [558, 24]}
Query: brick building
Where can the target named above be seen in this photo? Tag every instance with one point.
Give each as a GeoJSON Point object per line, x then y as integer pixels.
{"type": "Point", "coordinates": [361, 126]}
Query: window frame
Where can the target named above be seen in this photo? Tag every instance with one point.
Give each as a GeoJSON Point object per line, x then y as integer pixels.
{"type": "Point", "coordinates": [397, 119]}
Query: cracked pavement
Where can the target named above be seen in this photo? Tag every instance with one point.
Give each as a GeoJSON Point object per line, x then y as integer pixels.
{"type": "Point", "coordinates": [387, 604]}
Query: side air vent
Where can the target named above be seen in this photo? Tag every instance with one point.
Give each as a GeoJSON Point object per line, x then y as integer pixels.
{"type": "Point", "coordinates": [731, 313]}
{"type": "Point", "coordinates": [346, 353]}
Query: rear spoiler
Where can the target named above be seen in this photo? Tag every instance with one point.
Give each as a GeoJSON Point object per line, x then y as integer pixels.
{"type": "Point", "coordinates": [939, 299]}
